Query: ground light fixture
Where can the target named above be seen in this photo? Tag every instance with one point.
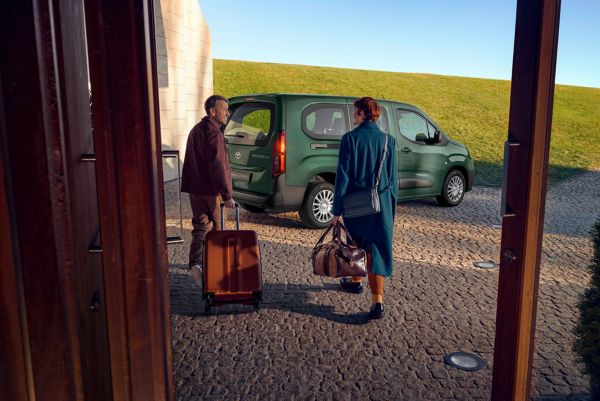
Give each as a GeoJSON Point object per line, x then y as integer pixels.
{"type": "Point", "coordinates": [464, 361]}
{"type": "Point", "coordinates": [485, 264]}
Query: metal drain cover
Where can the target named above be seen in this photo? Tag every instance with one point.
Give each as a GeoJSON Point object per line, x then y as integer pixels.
{"type": "Point", "coordinates": [464, 361]}
{"type": "Point", "coordinates": [485, 264]}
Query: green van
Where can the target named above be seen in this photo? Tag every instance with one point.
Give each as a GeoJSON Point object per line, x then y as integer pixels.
{"type": "Point", "coordinates": [283, 150]}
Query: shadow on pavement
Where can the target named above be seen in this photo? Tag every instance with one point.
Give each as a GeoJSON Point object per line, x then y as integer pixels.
{"type": "Point", "coordinates": [575, 397]}
{"type": "Point", "coordinates": [430, 307]}
{"type": "Point", "coordinates": [490, 174]}
{"type": "Point", "coordinates": [286, 220]}
{"type": "Point", "coordinates": [186, 300]}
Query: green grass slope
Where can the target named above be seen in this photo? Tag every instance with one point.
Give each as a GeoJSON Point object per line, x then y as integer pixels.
{"type": "Point", "coordinates": [473, 111]}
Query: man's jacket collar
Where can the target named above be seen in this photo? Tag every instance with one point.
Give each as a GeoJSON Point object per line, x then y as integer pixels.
{"type": "Point", "coordinates": [213, 123]}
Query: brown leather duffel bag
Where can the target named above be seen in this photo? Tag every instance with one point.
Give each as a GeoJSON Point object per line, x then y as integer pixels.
{"type": "Point", "coordinates": [338, 258]}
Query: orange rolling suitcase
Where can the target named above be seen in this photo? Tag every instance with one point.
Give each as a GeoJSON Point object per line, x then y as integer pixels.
{"type": "Point", "coordinates": [232, 268]}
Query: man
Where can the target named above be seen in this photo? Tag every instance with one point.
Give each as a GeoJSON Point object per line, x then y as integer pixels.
{"type": "Point", "coordinates": [207, 177]}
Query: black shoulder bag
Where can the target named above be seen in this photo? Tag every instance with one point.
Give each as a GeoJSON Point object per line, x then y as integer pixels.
{"type": "Point", "coordinates": [365, 201]}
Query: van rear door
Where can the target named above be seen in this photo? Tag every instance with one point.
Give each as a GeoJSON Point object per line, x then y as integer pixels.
{"type": "Point", "coordinates": [249, 136]}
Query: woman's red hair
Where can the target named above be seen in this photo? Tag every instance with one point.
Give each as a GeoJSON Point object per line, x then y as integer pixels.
{"type": "Point", "coordinates": [369, 107]}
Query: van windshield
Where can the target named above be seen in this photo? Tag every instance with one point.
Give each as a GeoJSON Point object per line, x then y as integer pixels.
{"type": "Point", "coordinates": [250, 124]}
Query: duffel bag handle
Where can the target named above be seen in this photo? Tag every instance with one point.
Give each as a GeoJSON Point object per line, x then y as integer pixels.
{"type": "Point", "coordinates": [320, 241]}
{"type": "Point", "coordinates": [336, 233]}
{"type": "Point", "coordinates": [342, 227]}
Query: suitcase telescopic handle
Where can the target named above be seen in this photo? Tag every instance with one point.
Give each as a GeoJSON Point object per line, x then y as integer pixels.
{"type": "Point", "coordinates": [237, 216]}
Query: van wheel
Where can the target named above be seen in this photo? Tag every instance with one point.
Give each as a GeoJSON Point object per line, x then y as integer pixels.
{"type": "Point", "coordinates": [252, 209]}
{"type": "Point", "coordinates": [316, 209]}
{"type": "Point", "coordinates": [453, 190]}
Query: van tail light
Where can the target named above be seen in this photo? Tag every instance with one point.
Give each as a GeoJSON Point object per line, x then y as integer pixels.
{"type": "Point", "coordinates": [279, 154]}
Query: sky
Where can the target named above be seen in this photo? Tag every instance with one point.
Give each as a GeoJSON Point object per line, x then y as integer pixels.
{"type": "Point", "coordinates": [469, 38]}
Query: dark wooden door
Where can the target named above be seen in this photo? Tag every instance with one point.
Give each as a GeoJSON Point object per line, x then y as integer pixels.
{"type": "Point", "coordinates": [51, 201]}
{"type": "Point", "coordinates": [81, 178]}
{"type": "Point", "coordinates": [83, 282]}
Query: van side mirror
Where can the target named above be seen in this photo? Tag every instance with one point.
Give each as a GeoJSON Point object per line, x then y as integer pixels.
{"type": "Point", "coordinates": [421, 137]}
{"type": "Point", "coordinates": [437, 138]}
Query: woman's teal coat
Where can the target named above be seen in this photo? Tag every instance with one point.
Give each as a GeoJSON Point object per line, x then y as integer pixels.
{"type": "Point", "coordinates": [361, 151]}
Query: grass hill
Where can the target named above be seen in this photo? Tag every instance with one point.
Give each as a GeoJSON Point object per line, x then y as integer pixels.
{"type": "Point", "coordinates": [473, 111]}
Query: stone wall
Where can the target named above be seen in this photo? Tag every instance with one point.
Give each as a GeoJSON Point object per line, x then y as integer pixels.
{"type": "Point", "coordinates": [185, 77]}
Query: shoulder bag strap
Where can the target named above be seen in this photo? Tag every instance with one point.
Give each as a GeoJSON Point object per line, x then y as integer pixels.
{"type": "Point", "coordinates": [378, 178]}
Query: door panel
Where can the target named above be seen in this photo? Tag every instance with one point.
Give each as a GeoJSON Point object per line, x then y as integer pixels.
{"type": "Point", "coordinates": [84, 207]}
{"type": "Point", "coordinates": [314, 128]}
{"type": "Point", "coordinates": [53, 200]}
{"type": "Point", "coordinates": [419, 164]}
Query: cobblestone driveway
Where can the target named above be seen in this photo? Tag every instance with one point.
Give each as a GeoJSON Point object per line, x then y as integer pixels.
{"type": "Point", "coordinates": [312, 342]}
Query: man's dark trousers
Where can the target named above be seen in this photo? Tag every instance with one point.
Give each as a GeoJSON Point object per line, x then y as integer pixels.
{"type": "Point", "coordinates": [206, 212]}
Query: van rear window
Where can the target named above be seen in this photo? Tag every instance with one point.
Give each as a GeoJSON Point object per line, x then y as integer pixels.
{"type": "Point", "coordinates": [250, 124]}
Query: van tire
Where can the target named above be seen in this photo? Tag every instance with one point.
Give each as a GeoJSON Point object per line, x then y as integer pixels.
{"type": "Point", "coordinates": [252, 209]}
{"type": "Point", "coordinates": [453, 189]}
{"type": "Point", "coordinates": [319, 193]}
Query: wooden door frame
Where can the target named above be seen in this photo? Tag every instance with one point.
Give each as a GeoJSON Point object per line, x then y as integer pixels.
{"type": "Point", "coordinates": [527, 151]}
{"type": "Point", "coordinates": [130, 185]}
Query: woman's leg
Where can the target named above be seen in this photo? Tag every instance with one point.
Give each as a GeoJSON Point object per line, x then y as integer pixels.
{"type": "Point", "coordinates": [375, 282]}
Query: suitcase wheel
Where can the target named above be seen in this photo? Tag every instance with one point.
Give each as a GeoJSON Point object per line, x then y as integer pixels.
{"type": "Point", "coordinates": [208, 303]}
{"type": "Point", "coordinates": [257, 299]}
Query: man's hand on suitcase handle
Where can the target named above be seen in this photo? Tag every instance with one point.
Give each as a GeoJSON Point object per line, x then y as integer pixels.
{"type": "Point", "coordinates": [229, 203]}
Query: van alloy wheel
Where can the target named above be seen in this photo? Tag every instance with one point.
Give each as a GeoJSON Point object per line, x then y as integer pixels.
{"type": "Point", "coordinates": [316, 210]}
{"type": "Point", "coordinates": [453, 189]}
{"type": "Point", "coordinates": [322, 205]}
{"type": "Point", "coordinates": [456, 187]}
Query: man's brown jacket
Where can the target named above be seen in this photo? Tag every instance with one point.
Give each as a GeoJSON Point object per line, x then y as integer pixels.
{"type": "Point", "coordinates": [206, 168]}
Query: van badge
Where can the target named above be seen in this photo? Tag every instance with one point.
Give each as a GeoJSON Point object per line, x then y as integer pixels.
{"type": "Point", "coordinates": [238, 155]}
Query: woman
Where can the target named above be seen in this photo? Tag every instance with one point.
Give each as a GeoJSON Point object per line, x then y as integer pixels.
{"type": "Point", "coordinates": [361, 151]}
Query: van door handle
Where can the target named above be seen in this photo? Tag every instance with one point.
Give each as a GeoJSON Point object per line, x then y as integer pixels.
{"type": "Point", "coordinates": [324, 145]}
{"type": "Point", "coordinates": [406, 149]}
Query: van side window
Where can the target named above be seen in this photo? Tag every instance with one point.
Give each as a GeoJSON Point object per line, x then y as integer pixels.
{"type": "Point", "coordinates": [410, 124]}
{"type": "Point", "coordinates": [250, 124]}
{"type": "Point", "coordinates": [325, 121]}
